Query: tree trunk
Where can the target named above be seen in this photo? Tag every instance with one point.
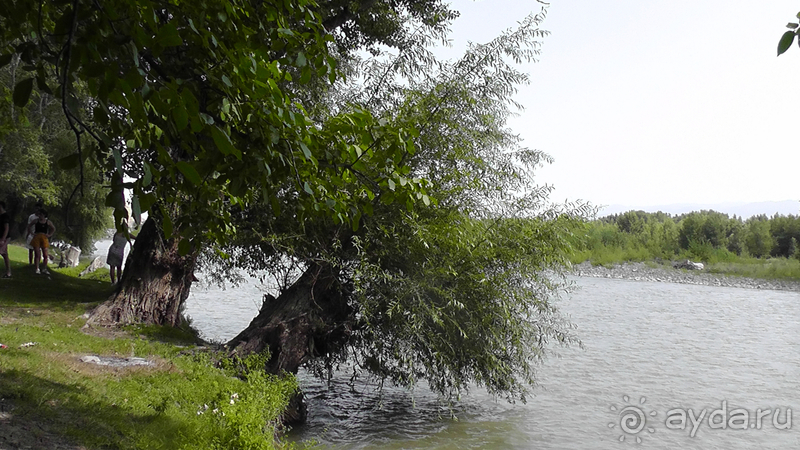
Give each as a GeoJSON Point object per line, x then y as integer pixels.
{"type": "Point", "coordinates": [154, 285]}
{"type": "Point", "coordinates": [311, 318]}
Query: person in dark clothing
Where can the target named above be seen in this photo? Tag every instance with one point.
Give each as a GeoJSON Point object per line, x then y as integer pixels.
{"type": "Point", "coordinates": [5, 227]}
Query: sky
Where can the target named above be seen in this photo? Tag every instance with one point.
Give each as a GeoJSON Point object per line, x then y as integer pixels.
{"type": "Point", "coordinates": [656, 102]}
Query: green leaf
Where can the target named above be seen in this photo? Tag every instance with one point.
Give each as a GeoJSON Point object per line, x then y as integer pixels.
{"type": "Point", "coordinates": [22, 92]}
{"type": "Point", "coordinates": [192, 105]}
{"type": "Point", "coordinates": [166, 224]}
{"type": "Point", "coordinates": [426, 200]}
{"type": "Point", "coordinates": [307, 188]}
{"type": "Point", "coordinates": [391, 184]}
{"type": "Point", "coordinates": [148, 175]}
{"type": "Point", "coordinates": [117, 159]}
{"type": "Point", "coordinates": [180, 116]}
{"type": "Point", "coordinates": [41, 80]}
{"type": "Point", "coordinates": [785, 42]}
{"type": "Point", "coordinates": [114, 200]}
{"type": "Point", "coordinates": [189, 172]}
{"type": "Point", "coordinates": [223, 143]}
{"type": "Point", "coordinates": [168, 36]}
{"type": "Point", "coordinates": [184, 246]}
{"type": "Point", "coordinates": [5, 59]}
{"type": "Point", "coordinates": [73, 105]}
{"type": "Point", "coordinates": [208, 120]}
{"type": "Point", "coordinates": [69, 162]}
{"type": "Point", "coordinates": [276, 206]}
{"type": "Point", "coordinates": [305, 75]}
{"type": "Point", "coordinates": [136, 208]}
{"type": "Point", "coordinates": [146, 201]}
{"type": "Point", "coordinates": [99, 115]}
{"type": "Point", "coordinates": [306, 151]}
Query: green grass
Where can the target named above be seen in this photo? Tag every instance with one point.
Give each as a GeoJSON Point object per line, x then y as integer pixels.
{"type": "Point", "coordinates": [771, 268]}
{"type": "Point", "coordinates": [716, 260]}
{"type": "Point", "coordinates": [184, 402]}
{"type": "Point", "coordinates": [606, 256]}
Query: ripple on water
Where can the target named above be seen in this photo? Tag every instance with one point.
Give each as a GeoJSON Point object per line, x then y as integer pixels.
{"type": "Point", "coordinates": [664, 346]}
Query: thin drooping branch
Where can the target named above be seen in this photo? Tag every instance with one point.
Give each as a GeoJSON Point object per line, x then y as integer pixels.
{"type": "Point", "coordinates": [64, 91]}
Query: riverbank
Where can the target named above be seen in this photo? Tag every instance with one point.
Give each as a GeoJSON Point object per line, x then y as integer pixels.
{"type": "Point", "coordinates": [639, 271]}
{"type": "Point", "coordinates": [67, 387]}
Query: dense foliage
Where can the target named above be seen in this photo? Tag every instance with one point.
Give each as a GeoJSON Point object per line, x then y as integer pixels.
{"type": "Point", "coordinates": [195, 104]}
{"type": "Point", "coordinates": [239, 132]}
{"type": "Point", "coordinates": [708, 236]}
{"type": "Point", "coordinates": [457, 288]}
{"type": "Point", "coordinates": [32, 141]}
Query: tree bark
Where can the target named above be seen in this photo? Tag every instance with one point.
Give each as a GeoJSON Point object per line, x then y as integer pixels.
{"type": "Point", "coordinates": [311, 318]}
{"type": "Point", "coordinates": [154, 285]}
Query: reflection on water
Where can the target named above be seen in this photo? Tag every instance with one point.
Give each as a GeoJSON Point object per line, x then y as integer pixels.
{"type": "Point", "coordinates": [655, 347]}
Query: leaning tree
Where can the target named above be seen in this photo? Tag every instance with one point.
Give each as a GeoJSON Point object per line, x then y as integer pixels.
{"type": "Point", "coordinates": [407, 210]}
{"type": "Point", "coordinates": [455, 289]}
{"type": "Point", "coordinates": [197, 110]}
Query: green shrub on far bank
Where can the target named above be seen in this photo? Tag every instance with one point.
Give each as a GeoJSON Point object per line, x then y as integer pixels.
{"type": "Point", "coordinates": [759, 247]}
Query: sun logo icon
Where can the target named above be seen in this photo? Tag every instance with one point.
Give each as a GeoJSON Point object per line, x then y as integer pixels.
{"type": "Point", "coordinates": [632, 419]}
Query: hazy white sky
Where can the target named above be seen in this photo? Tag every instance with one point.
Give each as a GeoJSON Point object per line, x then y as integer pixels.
{"type": "Point", "coordinates": [654, 102]}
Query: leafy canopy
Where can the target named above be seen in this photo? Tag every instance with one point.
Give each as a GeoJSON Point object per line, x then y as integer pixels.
{"type": "Point", "coordinates": [193, 102]}
{"type": "Point", "coordinates": [31, 143]}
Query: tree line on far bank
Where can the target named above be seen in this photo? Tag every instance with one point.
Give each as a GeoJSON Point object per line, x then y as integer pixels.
{"type": "Point", "coordinates": [708, 236]}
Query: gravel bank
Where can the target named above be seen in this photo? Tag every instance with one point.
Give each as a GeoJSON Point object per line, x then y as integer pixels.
{"type": "Point", "coordinates": [641, 272]}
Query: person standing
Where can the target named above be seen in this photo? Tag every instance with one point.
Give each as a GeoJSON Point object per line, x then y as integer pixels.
{"type": "Point", "coordinates": [32, 218]}
{"type": "Point", "coordinates": [5, 227]}
{"type": "Point", "coordinates": [43, 229]}
{"type": "Point", "coordinates": [116, 253]}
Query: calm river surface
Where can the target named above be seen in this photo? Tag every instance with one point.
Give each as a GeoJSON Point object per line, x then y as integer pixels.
{"type": "Point", "coordinates": [661, 353]}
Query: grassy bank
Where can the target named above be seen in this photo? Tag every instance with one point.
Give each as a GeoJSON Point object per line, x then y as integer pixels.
{"type": "Point", "coordinates": [716, 261]}
{"type": "Point", "coordinates": [50, 399]}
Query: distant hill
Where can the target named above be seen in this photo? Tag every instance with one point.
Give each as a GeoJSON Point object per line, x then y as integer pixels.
{"type": "Point", "coordinates": [744, 210]}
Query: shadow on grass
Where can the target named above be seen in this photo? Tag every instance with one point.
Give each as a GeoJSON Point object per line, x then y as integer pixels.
{"type": "Point", "coordinates": [184, 334]}
{"type": "Point", "coordinates": [54, 290]}
{"type": "Point", "coordinates": [39, 413]}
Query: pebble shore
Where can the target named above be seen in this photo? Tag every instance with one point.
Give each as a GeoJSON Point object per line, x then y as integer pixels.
{"type": "Point", "coordinates": [638, 271]}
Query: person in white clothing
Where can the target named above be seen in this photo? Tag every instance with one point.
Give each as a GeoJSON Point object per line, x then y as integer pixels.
{"type": "Point", "coordinates": [115, 254]}
{"type": "Point", "coordinates": [32, 218]}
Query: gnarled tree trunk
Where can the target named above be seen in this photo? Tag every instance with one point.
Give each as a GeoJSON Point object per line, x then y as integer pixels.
{"type": "Point", "coordinates": [310, 318]}
{"type": "Point", "coordinates": [154, 285]}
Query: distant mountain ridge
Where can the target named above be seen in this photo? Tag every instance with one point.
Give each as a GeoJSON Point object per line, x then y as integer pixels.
{"type": "Point", "coordinates": [741, 209]}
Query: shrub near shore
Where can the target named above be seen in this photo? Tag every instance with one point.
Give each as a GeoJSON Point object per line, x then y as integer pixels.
{"type": "Point", "coordinates": [759, 247]}
{"type": "Point", "coordinates": [188, 398]}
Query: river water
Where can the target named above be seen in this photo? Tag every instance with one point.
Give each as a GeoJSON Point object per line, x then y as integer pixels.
{"type": "Point", "coordinates": [659, 360]}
